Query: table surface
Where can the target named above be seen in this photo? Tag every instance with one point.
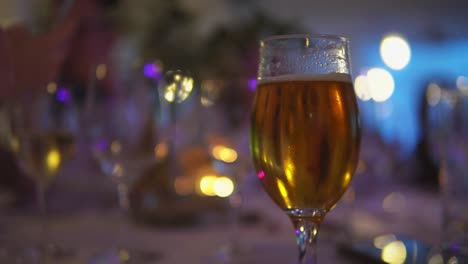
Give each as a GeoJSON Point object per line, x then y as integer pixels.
{"type": "Point", "coordinates": [91, 232]}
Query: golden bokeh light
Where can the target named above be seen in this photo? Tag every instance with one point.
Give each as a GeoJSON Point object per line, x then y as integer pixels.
{"type": "Point", "coordinates": [53, 160]}
{"type": "Point", "coordinates": [169, 95]}
{"type": "Point", "coordinates": [51, 87]}
{"type": "Point", "coordinates": [394, 252]}
{"type": "Point", "coordinates": [206, 185]}
{"type": "Point", "coordinates": [225, 154]}
{"type": "Point", "coordinates": [179, 89]}
{"type": "Point", "coordinates": [160, 151]}
{"type": "Point", "coordinates": [101, 71]}
{"type": "Point", "coordinates": [223, 186]}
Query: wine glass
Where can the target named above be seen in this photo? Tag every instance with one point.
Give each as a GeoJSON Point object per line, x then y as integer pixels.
{"type": "Point", "coordinates": [225, 109]}
{"type": "Point", "coordinates": [121, 134]}
{"type": "Point", "coordinates": [447, 116]}
{"type": "Point", "coordinates": [305, 132]}
{"type": "Point", "coordinates": [41, 132]}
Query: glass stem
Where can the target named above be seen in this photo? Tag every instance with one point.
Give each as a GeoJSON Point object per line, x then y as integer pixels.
{"type": "Point", "coordinates": [306, 238]}
{"type": "Point", "coordinates": [124, 206]}
{"type": "Point", "coordinates": [234, 214]}
{"type": "Point", "coordinates": [43, 228]}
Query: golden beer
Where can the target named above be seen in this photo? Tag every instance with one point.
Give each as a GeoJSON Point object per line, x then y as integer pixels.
{"type": "Point", "coordinates": [305, 139]}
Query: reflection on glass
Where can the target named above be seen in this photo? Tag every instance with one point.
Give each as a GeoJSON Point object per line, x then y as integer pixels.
{"type": "Point", "coordinates": [178, 86]}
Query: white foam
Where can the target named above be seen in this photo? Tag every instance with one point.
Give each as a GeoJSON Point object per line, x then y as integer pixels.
{"type": "Point", "coordinates": [337, 77]}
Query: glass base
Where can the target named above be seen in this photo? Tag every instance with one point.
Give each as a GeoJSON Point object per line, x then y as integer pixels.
{"type": "Point", "coordinates": [261, 253]}
{"type": "Point", "coordinates": [125, 256]}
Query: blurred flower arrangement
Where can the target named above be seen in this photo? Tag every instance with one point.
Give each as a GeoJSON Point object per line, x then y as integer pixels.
{"type": "Point", "coordinates": [167, 31]}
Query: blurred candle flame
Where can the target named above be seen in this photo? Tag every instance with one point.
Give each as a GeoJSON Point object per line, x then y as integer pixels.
{"type": "Point", "coordinates": [207, 185]}
{"type": "Point", "coordinates": [223, 186]}
{"type": "Point", "coordinates": [212, 185]}
{"type": "Point", "coordinates": [225, 154]}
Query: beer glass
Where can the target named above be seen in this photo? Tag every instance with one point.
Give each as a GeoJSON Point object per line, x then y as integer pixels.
{"type": "Point", "coordinates": [305, 131]}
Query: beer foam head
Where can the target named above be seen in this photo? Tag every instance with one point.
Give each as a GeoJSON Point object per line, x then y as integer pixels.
{"type": "Point", "coordinates": [337, 77]}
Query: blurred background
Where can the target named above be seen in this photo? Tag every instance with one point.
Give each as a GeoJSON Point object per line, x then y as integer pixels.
{"type": "Point", "coordinates": [183, 75]}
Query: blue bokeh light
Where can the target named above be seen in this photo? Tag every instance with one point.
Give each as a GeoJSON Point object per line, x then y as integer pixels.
{"type": "Point", "coordinates": [429, 61]}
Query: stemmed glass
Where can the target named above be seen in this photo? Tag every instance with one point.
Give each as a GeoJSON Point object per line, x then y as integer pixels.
{"type": "Point", "coordinates": [447, 130]}
{"type": "Point", "coordinates": [225, 109]}
{"type": "Point", "coordinates": [41, 132]}
{"type": "Point", "coordinates": [305, 132]}
{"type": "Point", "coordinates": [121, 134]}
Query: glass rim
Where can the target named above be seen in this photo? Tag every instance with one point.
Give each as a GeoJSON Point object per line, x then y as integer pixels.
{"type": "Point", "coordinates": [303, 36]}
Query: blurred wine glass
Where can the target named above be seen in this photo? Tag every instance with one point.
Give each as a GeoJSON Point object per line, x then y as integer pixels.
{"type": "Point", "coordinates": [40, 131]}
{"type": "Point", "coordinates": [225, 109]}
{"type": "Point", "coordinates": [447, 120]}
{"type": "Point", "coordinates": [121, 132]}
